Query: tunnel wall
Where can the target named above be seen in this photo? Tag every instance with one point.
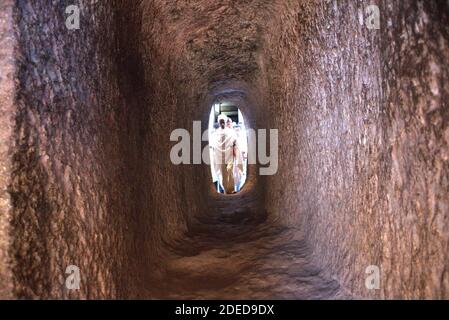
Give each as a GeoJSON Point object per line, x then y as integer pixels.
{"type": "Point", "coordinates": [92, 182]}
{"type": "Point", "coordinates": [362, 117]}
{"type": "Point", "coordinates": [7, 69]}
{"type": "Point", "coordinates": [70, 183]}
{"type": "Point", "coordinates": [170, 97]}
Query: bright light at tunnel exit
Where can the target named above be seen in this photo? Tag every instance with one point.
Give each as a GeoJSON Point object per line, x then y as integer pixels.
{"type": "Point", "coordinates": [236, 126]}
{"type": "Point", "coordinates": [181, 152]}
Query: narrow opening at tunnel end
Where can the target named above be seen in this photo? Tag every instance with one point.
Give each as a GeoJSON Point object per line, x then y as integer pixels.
{"type": "Point", "coordinates": [228, 142]}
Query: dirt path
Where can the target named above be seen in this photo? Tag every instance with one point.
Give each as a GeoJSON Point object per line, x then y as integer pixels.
{"type": "Point", "coordinates": [237, 254]}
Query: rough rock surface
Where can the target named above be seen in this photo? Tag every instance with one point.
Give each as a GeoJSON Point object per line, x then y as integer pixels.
{"type": "Point", "coordinates": [7, 41]}
{"type": "Point", "coordinates": [238, 252]}
{"type": "Point", "coordinates": [364, 121]}
{"type": "Point", "coordinates": [86, 177]}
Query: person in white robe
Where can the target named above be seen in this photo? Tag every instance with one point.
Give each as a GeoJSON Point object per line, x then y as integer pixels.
{"type": "Point", "coordinates": [240, 154]}
{"type": "Point", "coordinates": [225, 148]}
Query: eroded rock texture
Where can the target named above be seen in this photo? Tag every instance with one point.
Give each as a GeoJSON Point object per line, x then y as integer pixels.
{"type": "Point", "coordinates": [86, 177]}
{"type": "Point", "coordinates": [363, 114]}
{"type": "Point", "coordinates": [6, 136]}
{"type": "Point", "coordinates": [69, 178]}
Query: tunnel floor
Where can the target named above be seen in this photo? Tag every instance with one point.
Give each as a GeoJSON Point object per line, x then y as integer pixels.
{"type": "Point", "coordinates": [235, 252]}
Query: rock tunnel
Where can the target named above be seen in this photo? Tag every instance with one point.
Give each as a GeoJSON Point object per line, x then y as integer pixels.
{"type": "Point", "coordinates": [86, 178]}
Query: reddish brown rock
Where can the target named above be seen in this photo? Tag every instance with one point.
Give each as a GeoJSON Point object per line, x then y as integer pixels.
{"type": "Point", "coordinates": [86, 177]}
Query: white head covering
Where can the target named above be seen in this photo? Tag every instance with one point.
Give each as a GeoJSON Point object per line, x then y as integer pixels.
{"type": "Point", "coordinates": [222, 116]}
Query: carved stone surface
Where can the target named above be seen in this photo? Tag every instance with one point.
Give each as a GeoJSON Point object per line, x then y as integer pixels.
{"type": "Point", "coordinates": [85, 171]}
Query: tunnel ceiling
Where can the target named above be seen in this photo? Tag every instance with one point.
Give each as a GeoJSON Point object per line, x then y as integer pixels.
{"type": "Point", "coordinates": [220, 40]}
